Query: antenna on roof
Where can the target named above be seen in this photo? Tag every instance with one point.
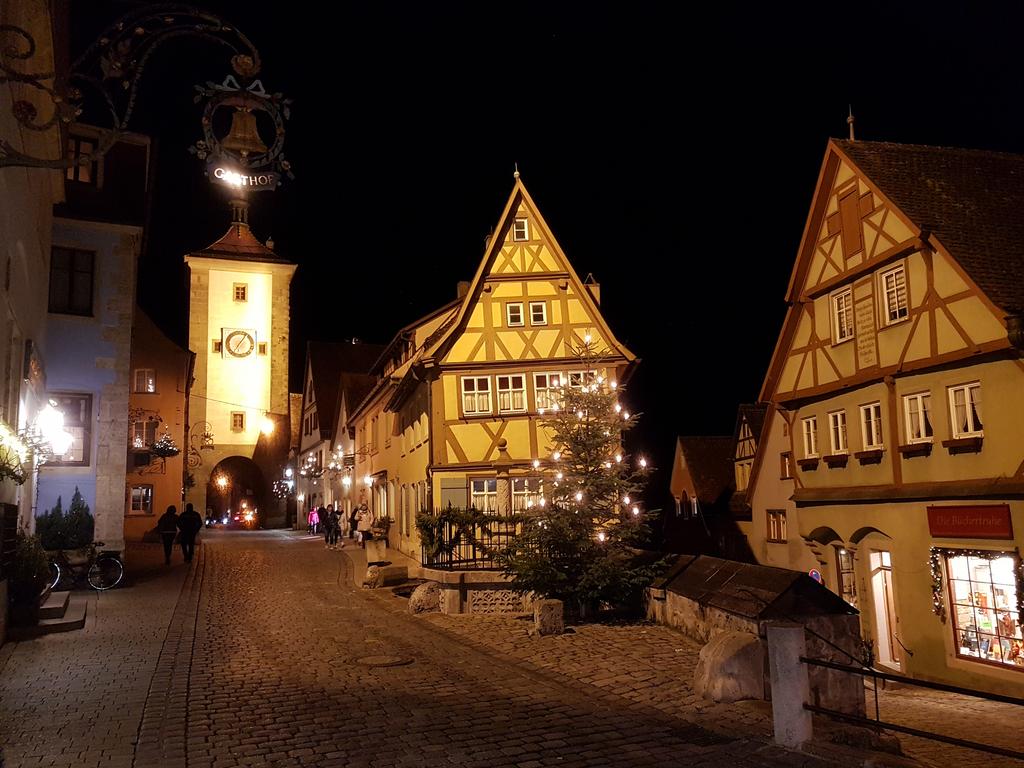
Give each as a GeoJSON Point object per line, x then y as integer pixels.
{"type": "Point", "coordinates": [849, 121]}
{"type": "Point", "coordinates": [516, 174]}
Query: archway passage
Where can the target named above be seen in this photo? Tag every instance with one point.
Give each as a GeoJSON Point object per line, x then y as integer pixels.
{"type": "Point", "coordinates": [237, 488]}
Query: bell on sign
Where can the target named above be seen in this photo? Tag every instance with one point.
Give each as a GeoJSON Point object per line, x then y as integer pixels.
{"type": "Point", "coordinates": [243, 137]}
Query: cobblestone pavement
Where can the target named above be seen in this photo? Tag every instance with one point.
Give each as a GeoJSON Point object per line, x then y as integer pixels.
{"type": "Point", "coordinates": [76, 699]}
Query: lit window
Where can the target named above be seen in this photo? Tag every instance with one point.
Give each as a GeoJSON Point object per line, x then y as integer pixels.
{"type": "Point", "coordinates": [538, 313]}
{"type": "Point", "coordinates": [142, 499]}
{"type": "Point", "coordinates": [810, 429]}
{"type": "Point", "coordinates": [776, 525]}
{"type": "Point", "coordinates": [483, 495]}
{"type": "Point", "coordinates": [786, 466]}
{"type": "Point", "coordinates": [71, 278]}
{"type": "Point", "coordinates": [837, 431]}
{"type": "Point", "coordinates": [241, 292]}
{"type": "Point", "coordinates": [80, 153]}
{"type": "Point", "coordinates": [512, 393]}
{"type": "Point", "coordinates": [237, 421]}
{"type": "Point", "coordinates": [526, 493]}
{"type": "Point", "coordinates": [263, 348]}
{"type": "Point", "coordinates": [578, 378]}
{"type": "Point", "coordinates": [77, 410]}
{"type": "Point", "coordinates": [917, 409]}
{"type": "Point", "coordinates": [547, 388]}
{"type": "Point", "coordinates": [845, 571]}
{"type": "Point", "coordinates": [894, 289]}
{"type": "Point", "coordinates": [842, 315]}
{"type": "Point", "coordinates": [145, 380]}
{"type": "Point", "coordinates": [521, 230]}
{"type": "Point", "coordinates": [984, 606]}
{"type": "Point", "coordinates": [143, 433]}
{"type": "Point", "coordinates": [514, 314]}
{"type": "Point", "coordinates": [871, 425]}
{"type": "Point", "coordinates": [476, 395]}
{"type": "Point", "coordinates": [965, 410]}
{"type": "Point", "coordinates": [218, 345]}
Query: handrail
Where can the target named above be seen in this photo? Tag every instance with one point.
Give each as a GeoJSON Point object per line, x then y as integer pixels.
{"type": "Point", "coordinates": [912, 681]}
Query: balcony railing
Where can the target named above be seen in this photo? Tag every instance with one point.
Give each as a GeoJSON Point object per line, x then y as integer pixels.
{"type": "Point", "coordinates": [463, 547]}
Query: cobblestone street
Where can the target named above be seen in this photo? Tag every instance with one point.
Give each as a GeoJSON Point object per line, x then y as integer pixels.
{"type": "Point", "coordinates": [258, 658]}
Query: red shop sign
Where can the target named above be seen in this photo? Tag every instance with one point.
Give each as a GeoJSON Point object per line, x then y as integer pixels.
{"type": "Point", "coordinates": [990, 521]}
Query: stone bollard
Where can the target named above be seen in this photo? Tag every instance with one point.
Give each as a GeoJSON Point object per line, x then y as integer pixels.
{"type": "Point", "coordinates": [549, 617]}
{"type": "Point", "coordinates": [790, 686]}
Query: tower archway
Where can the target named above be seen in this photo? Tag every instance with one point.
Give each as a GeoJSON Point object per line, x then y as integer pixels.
{"type": "Point", "coordinates": [237, 485]}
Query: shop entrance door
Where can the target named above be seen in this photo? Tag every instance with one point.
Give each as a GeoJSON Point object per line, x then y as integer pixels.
{"type": "Point", "coordinates": [886, 621]}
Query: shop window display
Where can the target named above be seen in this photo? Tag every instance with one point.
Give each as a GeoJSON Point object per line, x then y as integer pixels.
{"type": "Point", "coordinates": [984, 604]}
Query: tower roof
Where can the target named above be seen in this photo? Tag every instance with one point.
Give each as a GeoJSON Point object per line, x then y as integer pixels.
{"type": "Point", "coordinates": [240, 243]}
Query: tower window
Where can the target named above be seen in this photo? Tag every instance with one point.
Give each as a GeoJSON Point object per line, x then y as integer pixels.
{"type": "Point", "coordinates": [218, 345]}
{"type": "Point", "coordinates": [263, 347]}
{"type": "Point", "coordinates": [238, 421]}
{"type": "Point", "coordinates": [521, 230]}
{"type": "Point", "coordinates": [241, 291]}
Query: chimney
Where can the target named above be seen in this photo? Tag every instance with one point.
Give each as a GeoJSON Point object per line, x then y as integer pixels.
{"type": "Point", "coordinates": [487, 239]}
{"type": "Point", "coordinates": [462, 289]}
{"type": "Point", "coordinates": [594, 287]}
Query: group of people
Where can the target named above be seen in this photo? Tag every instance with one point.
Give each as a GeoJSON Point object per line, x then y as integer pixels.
{"type": "Point", "coordinates": [185, 526]}
{"type": "Point", "coordinates": [333, 524]}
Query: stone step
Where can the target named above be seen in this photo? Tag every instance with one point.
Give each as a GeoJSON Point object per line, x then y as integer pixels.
{"type": "Point", "coordinates": [73, 619]}
{"type": "Point", "coordinates": [55, 606]}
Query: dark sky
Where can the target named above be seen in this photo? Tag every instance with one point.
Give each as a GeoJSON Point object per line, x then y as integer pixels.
{"type": "Point", "coordinates": [674, 156]}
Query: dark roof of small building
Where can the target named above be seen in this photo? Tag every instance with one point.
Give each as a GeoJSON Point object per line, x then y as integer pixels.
{"type": "Point", "coordinates": [970, 199]}
{"type": "Point", "coordinates": [329, 360]}
{"type": "Point", "coordinates": [710, 463]}
{"type": "Point", "coordinates": [355, 387]}
{"type": "Point", "coordinates": [240, 244]}
{"type": "Point", "coordinates": [751, 591]}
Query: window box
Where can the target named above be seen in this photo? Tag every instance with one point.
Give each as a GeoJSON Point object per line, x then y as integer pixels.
{"type": "Point", "coordinates": [808, 464]}
{"type": "Point", "coordinates": [870, 456]}
{"type": "Point", "coordinates": [837, 460]}
{"type": "Point", "coordinates": [915, 449]}
{"type": "Point", "coordinates": [963, 445]}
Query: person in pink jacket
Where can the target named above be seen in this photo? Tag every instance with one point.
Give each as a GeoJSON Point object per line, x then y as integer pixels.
{"type": "Point", "coordinates": [314, 520]}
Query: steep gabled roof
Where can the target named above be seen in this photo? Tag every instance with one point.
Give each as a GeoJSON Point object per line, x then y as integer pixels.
{"type": "Point", "coordinates": [970, 200]}
{"type": "Point", "coordinates": [708, 461]}
{"type": "Point", "coordinates": [240, 244]}
{"type": "Point", "coordinates": [754, 414]}
{"type": "Point", "coordinates": [328, 361]}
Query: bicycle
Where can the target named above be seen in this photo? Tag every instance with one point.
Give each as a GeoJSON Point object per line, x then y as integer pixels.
{"type": "Point", "coordinates": [103, 570]}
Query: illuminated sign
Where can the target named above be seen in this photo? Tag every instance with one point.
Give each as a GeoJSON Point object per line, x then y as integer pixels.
{"type": "Point", "coordinates": [252, 180]}
{"type": "Point", "coordinates": [981, 521]}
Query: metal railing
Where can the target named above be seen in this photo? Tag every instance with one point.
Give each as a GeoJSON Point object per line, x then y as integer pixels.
{"type": "Point", "coordinates": [468, 547]}
{"type": "Point", "coordinates": [878, 722]}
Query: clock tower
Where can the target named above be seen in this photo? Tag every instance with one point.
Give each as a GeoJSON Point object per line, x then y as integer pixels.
{"type": "Point", "coordinates": [238, 331]}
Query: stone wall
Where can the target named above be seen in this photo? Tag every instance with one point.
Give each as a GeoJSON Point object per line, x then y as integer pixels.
{"type": "Point", "coordinates": [480, 592]}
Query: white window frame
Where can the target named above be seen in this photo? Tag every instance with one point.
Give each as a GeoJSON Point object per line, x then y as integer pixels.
{"type": "Point", "coordinates": [871, 426]}
{"type": "Point", "coordinates": [548, 395]}
{"type": "Point", "coordinates": [514, 395]}
{"type": "Point", "coordinates": [142, 431]}
{"type": "Point", "coordinates": [148, 381]}
{"type": "Point", "coordinates": [543, 306]}
{"type": "Point", "coordinates": [842, 304]}
{"type": "Point", "coordinates": [520, 230]}
{"type": "Point", "coordinates": [483, 494]}
{"type": "Point", "coordinates": [518, 306]}
{"type": "Point", "coordinates": [809, 428]}
{"type": "Point", "coordinates": [837, 436]}
{"type": "Point", "coordinates": [481, 398]}
{"type": "Point", "coordinates": [923, 401]}
{"type": "Point", "coordinates": [775, 526]}
{"type": "Point", "coordinates": [238, 428]}
{"type": "Point", "coordinates": [894, 294]}
{"type": "Point", "coordinates": [526, 493]}
{"type": "Point", "coordinates": [577, 379]}
{"type": "Point", "coordinates": [971, 407]}
{"type": "Point", "coordinates": [141, 508]}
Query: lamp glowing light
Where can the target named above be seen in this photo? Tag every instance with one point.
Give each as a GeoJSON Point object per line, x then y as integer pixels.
{"type": "Point", "coordinates": [346, 481]}
{"type": "Point", "coordinates": [288, 472]}
{"type": "Point", "coordinates": [368, 480]}
{"type": "Point", "coordinates": [643, 463]}
{"type": "Point", "coordinates": [222, 482]}
{"type": "Point", "coordinates": [267, 426]}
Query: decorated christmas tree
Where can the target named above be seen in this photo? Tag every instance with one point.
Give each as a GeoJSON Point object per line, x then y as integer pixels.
{"type": "Point", "coordinates": [579, 540]}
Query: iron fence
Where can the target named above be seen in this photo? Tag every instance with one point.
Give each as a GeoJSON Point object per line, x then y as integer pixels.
{"type": "Point", "coordinates": [463, 547]}
{"type": "Point", "coordinates": [878, 722]}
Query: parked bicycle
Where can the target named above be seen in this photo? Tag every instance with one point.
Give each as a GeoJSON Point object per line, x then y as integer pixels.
{"type": "Point", "coordinates": [103, 570]}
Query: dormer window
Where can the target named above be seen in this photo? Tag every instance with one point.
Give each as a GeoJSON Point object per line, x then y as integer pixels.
{"type": "Point", "coordinates": [521, 230]}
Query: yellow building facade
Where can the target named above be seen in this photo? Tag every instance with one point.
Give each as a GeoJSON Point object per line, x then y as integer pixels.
{"type": "Point", "coordinates": [891, 463]}
{"type": "Point", "coordinates": [455, 416]}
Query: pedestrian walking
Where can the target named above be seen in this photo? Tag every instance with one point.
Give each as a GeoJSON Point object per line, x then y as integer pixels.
{"type": "Point", "coordinates": [332, 528]}
{"type": "Point", "coordinates": [189, 523]}
{"type": "Point", "coordinates": [364, 524]}
{"type": "Point", "coordinates": [314, 520]}
{"type": "Point", "coordinates": [353, 521]}
{"type": "Point", "coordinates": [167, 527]}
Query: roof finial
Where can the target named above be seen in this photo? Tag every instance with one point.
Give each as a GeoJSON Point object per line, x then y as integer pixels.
{"type": "Point", "coordinates": [849, 121]}
{"type": "Point", "coordinates": [516, 174]}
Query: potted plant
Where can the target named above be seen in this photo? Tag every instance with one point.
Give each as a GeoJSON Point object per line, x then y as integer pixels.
{"type": "Point", "coordinates": [27, 580]}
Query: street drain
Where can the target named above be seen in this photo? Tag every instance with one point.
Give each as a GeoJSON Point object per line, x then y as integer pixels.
{"type": "Point", "coordinates": [384, 661]}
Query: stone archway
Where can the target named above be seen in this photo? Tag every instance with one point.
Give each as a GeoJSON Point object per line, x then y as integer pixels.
{"type": "Point", "coordinates": [244, 487]}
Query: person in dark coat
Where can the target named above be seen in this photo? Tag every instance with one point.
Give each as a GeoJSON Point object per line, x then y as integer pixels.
{"type": "Point", "coordinates": [189, 523]}
{"type": "Point", "coordinates": [167, 527]}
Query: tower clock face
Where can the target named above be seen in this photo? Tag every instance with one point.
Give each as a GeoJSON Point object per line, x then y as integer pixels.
{"type": "Point", "coordinates": [239, 343]}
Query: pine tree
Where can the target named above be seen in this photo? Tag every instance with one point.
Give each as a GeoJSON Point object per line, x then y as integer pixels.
{"type": "Point", "coordinates": [50, 527]}
{"type": "Point", "coordinates": [578, 543]}
{"type": "Point", "coordinates": [78, 523]}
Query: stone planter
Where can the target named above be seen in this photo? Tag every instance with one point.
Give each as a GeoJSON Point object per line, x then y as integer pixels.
{"type": "Point", "coordinates": [376, 551]}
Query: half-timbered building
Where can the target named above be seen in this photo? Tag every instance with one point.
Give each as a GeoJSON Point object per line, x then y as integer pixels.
{"type": "Point", "coordinates": [455, 418]}
{"type": "Point", "coordinates": [898, 393]}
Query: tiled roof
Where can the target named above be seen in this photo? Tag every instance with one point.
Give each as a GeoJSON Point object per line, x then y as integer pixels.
{"type": "Point", "coordinates": [329, 360]}
{"type": "Point", "coordinates": [710, 464]}
{"type": "Point", "coordinates": [755, 414]}
{"type": "Point", "coordinates": [240, 243]}
{"type": "Point", "coordinates": [971, 200]}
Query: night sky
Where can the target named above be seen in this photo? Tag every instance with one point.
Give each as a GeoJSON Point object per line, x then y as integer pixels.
{"type": "Point", "coordinates": [674, 157]}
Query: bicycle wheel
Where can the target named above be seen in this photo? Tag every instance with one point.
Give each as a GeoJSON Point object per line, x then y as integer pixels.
{"type": "Point", "coordinates": [55, 575]}
{"type": "Point", "coordinates": [106, 573]}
